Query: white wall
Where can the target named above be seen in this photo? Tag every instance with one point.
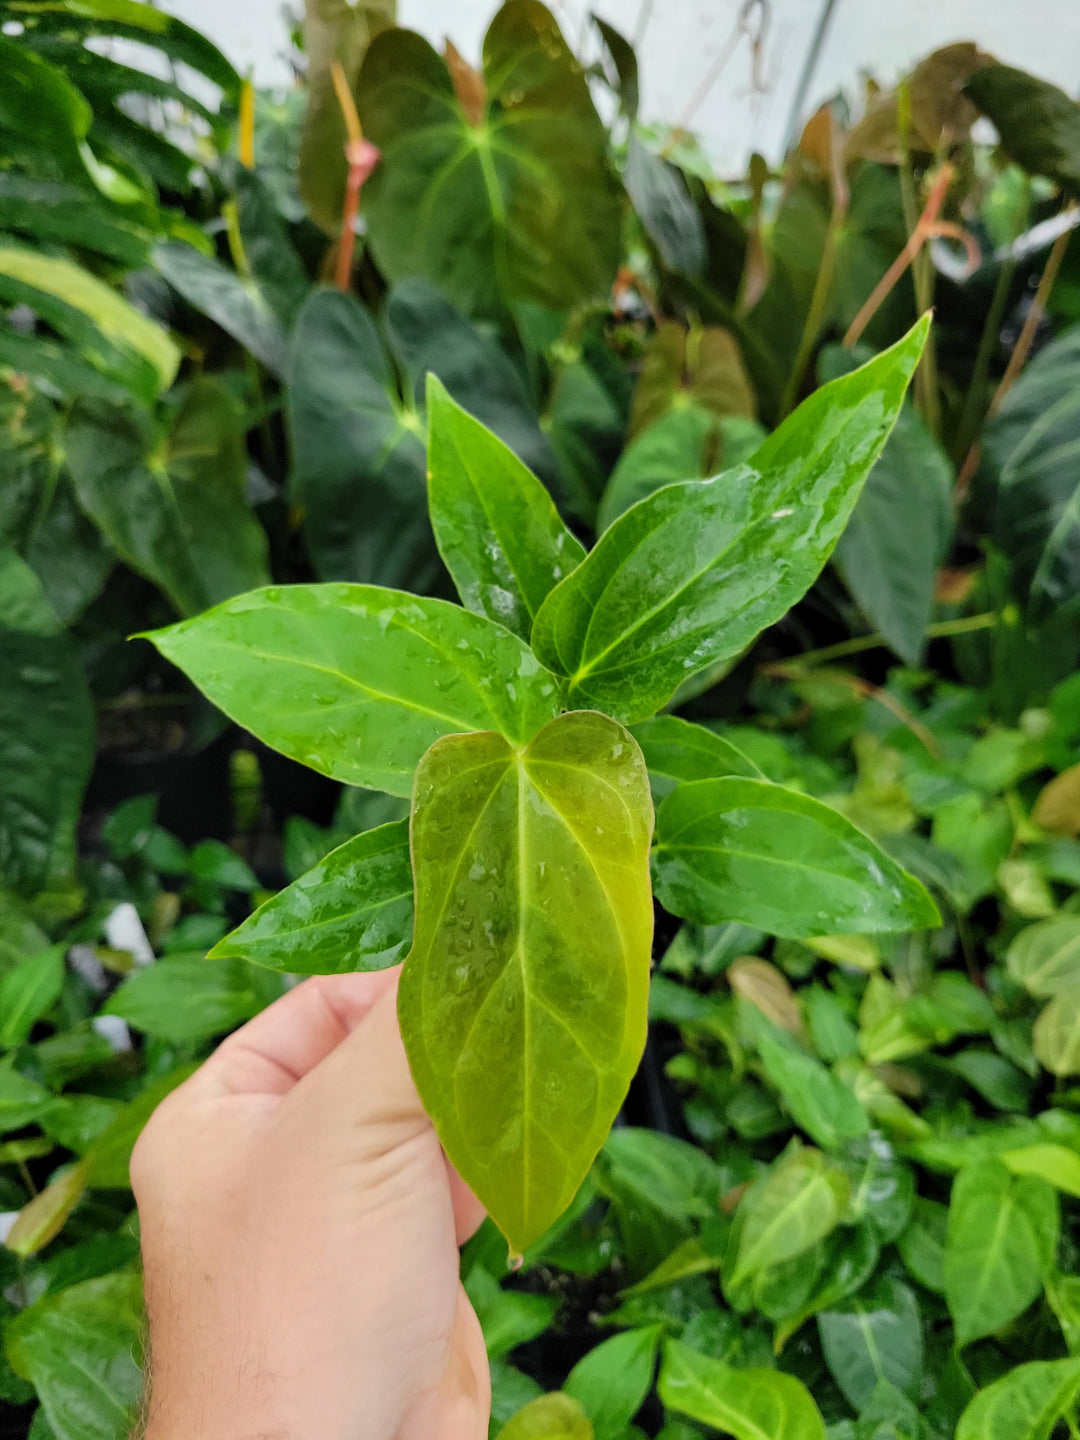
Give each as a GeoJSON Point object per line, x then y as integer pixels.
{"type": "Point", "coordinates": [683, 38]}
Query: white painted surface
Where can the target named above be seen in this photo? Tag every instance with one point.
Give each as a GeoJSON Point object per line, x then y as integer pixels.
{"type": "Point", "coordinates": [684, 38]}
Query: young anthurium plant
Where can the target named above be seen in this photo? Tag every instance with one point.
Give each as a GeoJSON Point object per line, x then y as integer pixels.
{"type": "Point", "coordinates": [524, 726]}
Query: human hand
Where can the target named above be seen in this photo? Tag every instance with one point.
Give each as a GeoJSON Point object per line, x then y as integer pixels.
{"type": "Point", "coordinates": [300, 1226]}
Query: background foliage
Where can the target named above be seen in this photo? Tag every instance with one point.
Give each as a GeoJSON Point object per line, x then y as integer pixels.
{"type": "Point", "coordinates": [843, 1199]}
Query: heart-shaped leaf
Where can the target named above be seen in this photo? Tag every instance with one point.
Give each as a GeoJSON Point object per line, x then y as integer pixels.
{"type": "Point", "coordinates": [677, 751]}
{"type": "Point", "coordinates": [523, 205]}
{"type": "Point", "coordinates": [356, 681]}
{"type": "Point", "coordinates": [530, 961]}
{"type": "Point", "coordinates": [352, 911]}
{"type": "Point", "coordinates": [1038, 124]}
{"type": "Point", "coordinates": [1045, 957]}
{"type": "Point", "coordinates": [739, 849]}
{"type": "Point", "coordinates": [174, 505]}
{"type": "Point", "coordinates": [688, 577]}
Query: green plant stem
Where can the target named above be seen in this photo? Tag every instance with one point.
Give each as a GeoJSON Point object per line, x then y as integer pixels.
{"type": "Point", "coordinates": [815, 316]}
{"type": "Point", "coordinates": [876, 641]}
{"type": "Point", "coordinates": [969, 416]}
{"type": "Point", "coordinates": [28, 1179]}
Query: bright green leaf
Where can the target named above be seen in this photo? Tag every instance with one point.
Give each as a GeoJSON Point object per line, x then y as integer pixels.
{"type": "Point", "coordinates": [748, 1404]}
{"type": "Point", "coordinates": [508, 1318]}
{"type": "Point", "coordinates": [186, 997]}
{"type": "Point", "coordinates": [631, 624]}
{"type": "Point", "coordinates": [737, 849]}
{"type": "Point", "coordinates": [677, 751]}
{"type": "Point", "coordinates": [1024, 1404]}
{"type": "Point", "coordinates": [1045, 957]}
{"type": "Point", "coordinates": [1001, 1241]}
{"type": "Point", "coordinates": [496, 526]}
{"type": "Point", "coordinates": [357, 681]}
{"type": "Point", "coordinates": [1057, 1034]}
{"type": "Point", "coordinates": [794, 1206]}
{"type": "Point", "coordinates": [531, 956]}
{"type": "Point", "coordinates": [613, 1379]}
{"type": "Point", "coordinates": [549, 1417]}
{"type": "Point", "coordinates": [352, 911]}
{"type": "Point", "coordinates": [28, 992]}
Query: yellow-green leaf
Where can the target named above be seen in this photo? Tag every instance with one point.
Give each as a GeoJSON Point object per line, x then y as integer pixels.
{"type": "Point", "coordinates": [523, 1001]}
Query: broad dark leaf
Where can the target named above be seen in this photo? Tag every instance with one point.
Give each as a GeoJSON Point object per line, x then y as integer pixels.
{"type": "Point", "coordinates": [1038, 124]}
{"type": "Point", "coordinates": [523, 206]}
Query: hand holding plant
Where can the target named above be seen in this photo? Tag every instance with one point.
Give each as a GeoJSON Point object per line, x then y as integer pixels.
{"type": "Point", "coordinates": [300, 1228]}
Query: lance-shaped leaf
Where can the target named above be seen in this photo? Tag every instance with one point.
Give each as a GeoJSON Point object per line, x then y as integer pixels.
{"type": "Point", "coordinates": [496, 526]}
{"type": "Point", "coordinates": [751, 1404]}
{"type": "Point", "coordinates": [735, 849]}
{"type": "Point", "coordinates": [677, 751]}
{"type": "Point", "coordinates": [357, 681]}
{"type": "Point", "coordinates": [352, 911]}
{"type": "Point", "coordinates": [688, 577]}
{"type": "Point", "coordinates": [523, 1001]}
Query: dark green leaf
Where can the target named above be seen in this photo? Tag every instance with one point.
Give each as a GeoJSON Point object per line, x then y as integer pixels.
{"type": "Point", "coordinates": [237, 305]}
{"type": "Point", "coordinates": [625, 62]}
{"type": "Point", "coordinates": [495, 524]}
{"type": "Point", "coordinates": [46, 735]}
{"type": "Point", "coordinates": [677, 751]}
{"type": "Point", "coordinates": [174, 506]}
{"type": "Point", "coordinates": [530, 957]}
{"type": "Point", "coordinates": [736, 849]}
{"type": "Point", "coordinates": [922, 1245]}
{"type": "Point", "coordinates": [819, 1102]}
{"type": "Point", "coordinates": [748, 1404]}
{"type": "Point", "coordinates": [899, 531]}
{"type": "Point", "coordinates": [629, 625]}
{"type": "Point", "coordinates": [353, 911]}
{"type": "Point", "coordinates": [22, 1101]}
{"type": "Point", "coordinates": [876, 1336]}
{"type": "Point", "coordinates": [612, 1380]}
{"type": "Point", "coordinates": [670, 218]}
{"type": "Point", "coordinates": [1038, 124]}
{"type": "Point", "coordinates": [1001, 1241]}
{"type": "Point", "coordinates": [357, 681]}
{"type": "Point", "coordinates": [521, 205]}
{"type": "Point", "coordinates": [508, 1318]}
{"type": "Point", "coordinates": [1029, 448]}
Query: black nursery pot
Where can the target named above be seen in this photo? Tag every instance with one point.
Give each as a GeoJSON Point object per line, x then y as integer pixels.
{"type": "Point", "coordinates": [192, 785]}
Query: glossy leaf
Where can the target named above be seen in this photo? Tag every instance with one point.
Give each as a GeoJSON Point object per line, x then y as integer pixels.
{"type": "Point", "coordinates": [357, 681]}
{"type": "Point", "coordinates": [899, 531]}
{"type": "Point", "coordinates": [549, 1417]}
{"type": "Point", "coordinates": [352, 911]}
{"type": "Point", "coordinates": [1045, 958]}
{"type": "Point", "coordinates": [1024, 1404]}
{"type": "Point", "coordinates": [738, 849]}
{"type": "Point", "coordinates": [663, 205]}
{"type": "Point", "coordinates": [613, 1379]}
{"type": "Point", "coordinates": [530, 958]}
{"type": "Point", "coordinates": [630, 625]}
{"type": "Point", "coordinates": [1029, 447]}
{"type": "Point", "coordinates": [680, 367]}
{"type": "Point", "coordinates": [819, 1102]}
{"type": "Point", "coordinates": [1038, 124]}
{"type": "Point", "coordinates": [186, 997]}
{"type": "Point", "coordinates": [173, 505]}
{"type": "Point", "coordinates": [750, 1404]}
{"type": "Point", "coordinates": [1001, 1241]}
{"type": "Point", "coordinates": [795, 1205]}
{"type": "Point", "coordinates": [28, 992]}
{"type": "Point", "coordinates": [875, 1336]}
{"type": "Point", "coordinates": [522, 206]}
{"type": "Point", "coordinates": [688, 443]}
{"type": "Point", "coordinates": [21, 1100]}
{"type": "Point", "coordinates": [41, 1220]}
{"type": "Point", "coordinates": [101, 1322]}
{"type": "Point", "coordinates": [678, 751]}
{"type": "Point", "coordinates": [119, 339]}
{"type": "Point", "coordinates": [496, 526]}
